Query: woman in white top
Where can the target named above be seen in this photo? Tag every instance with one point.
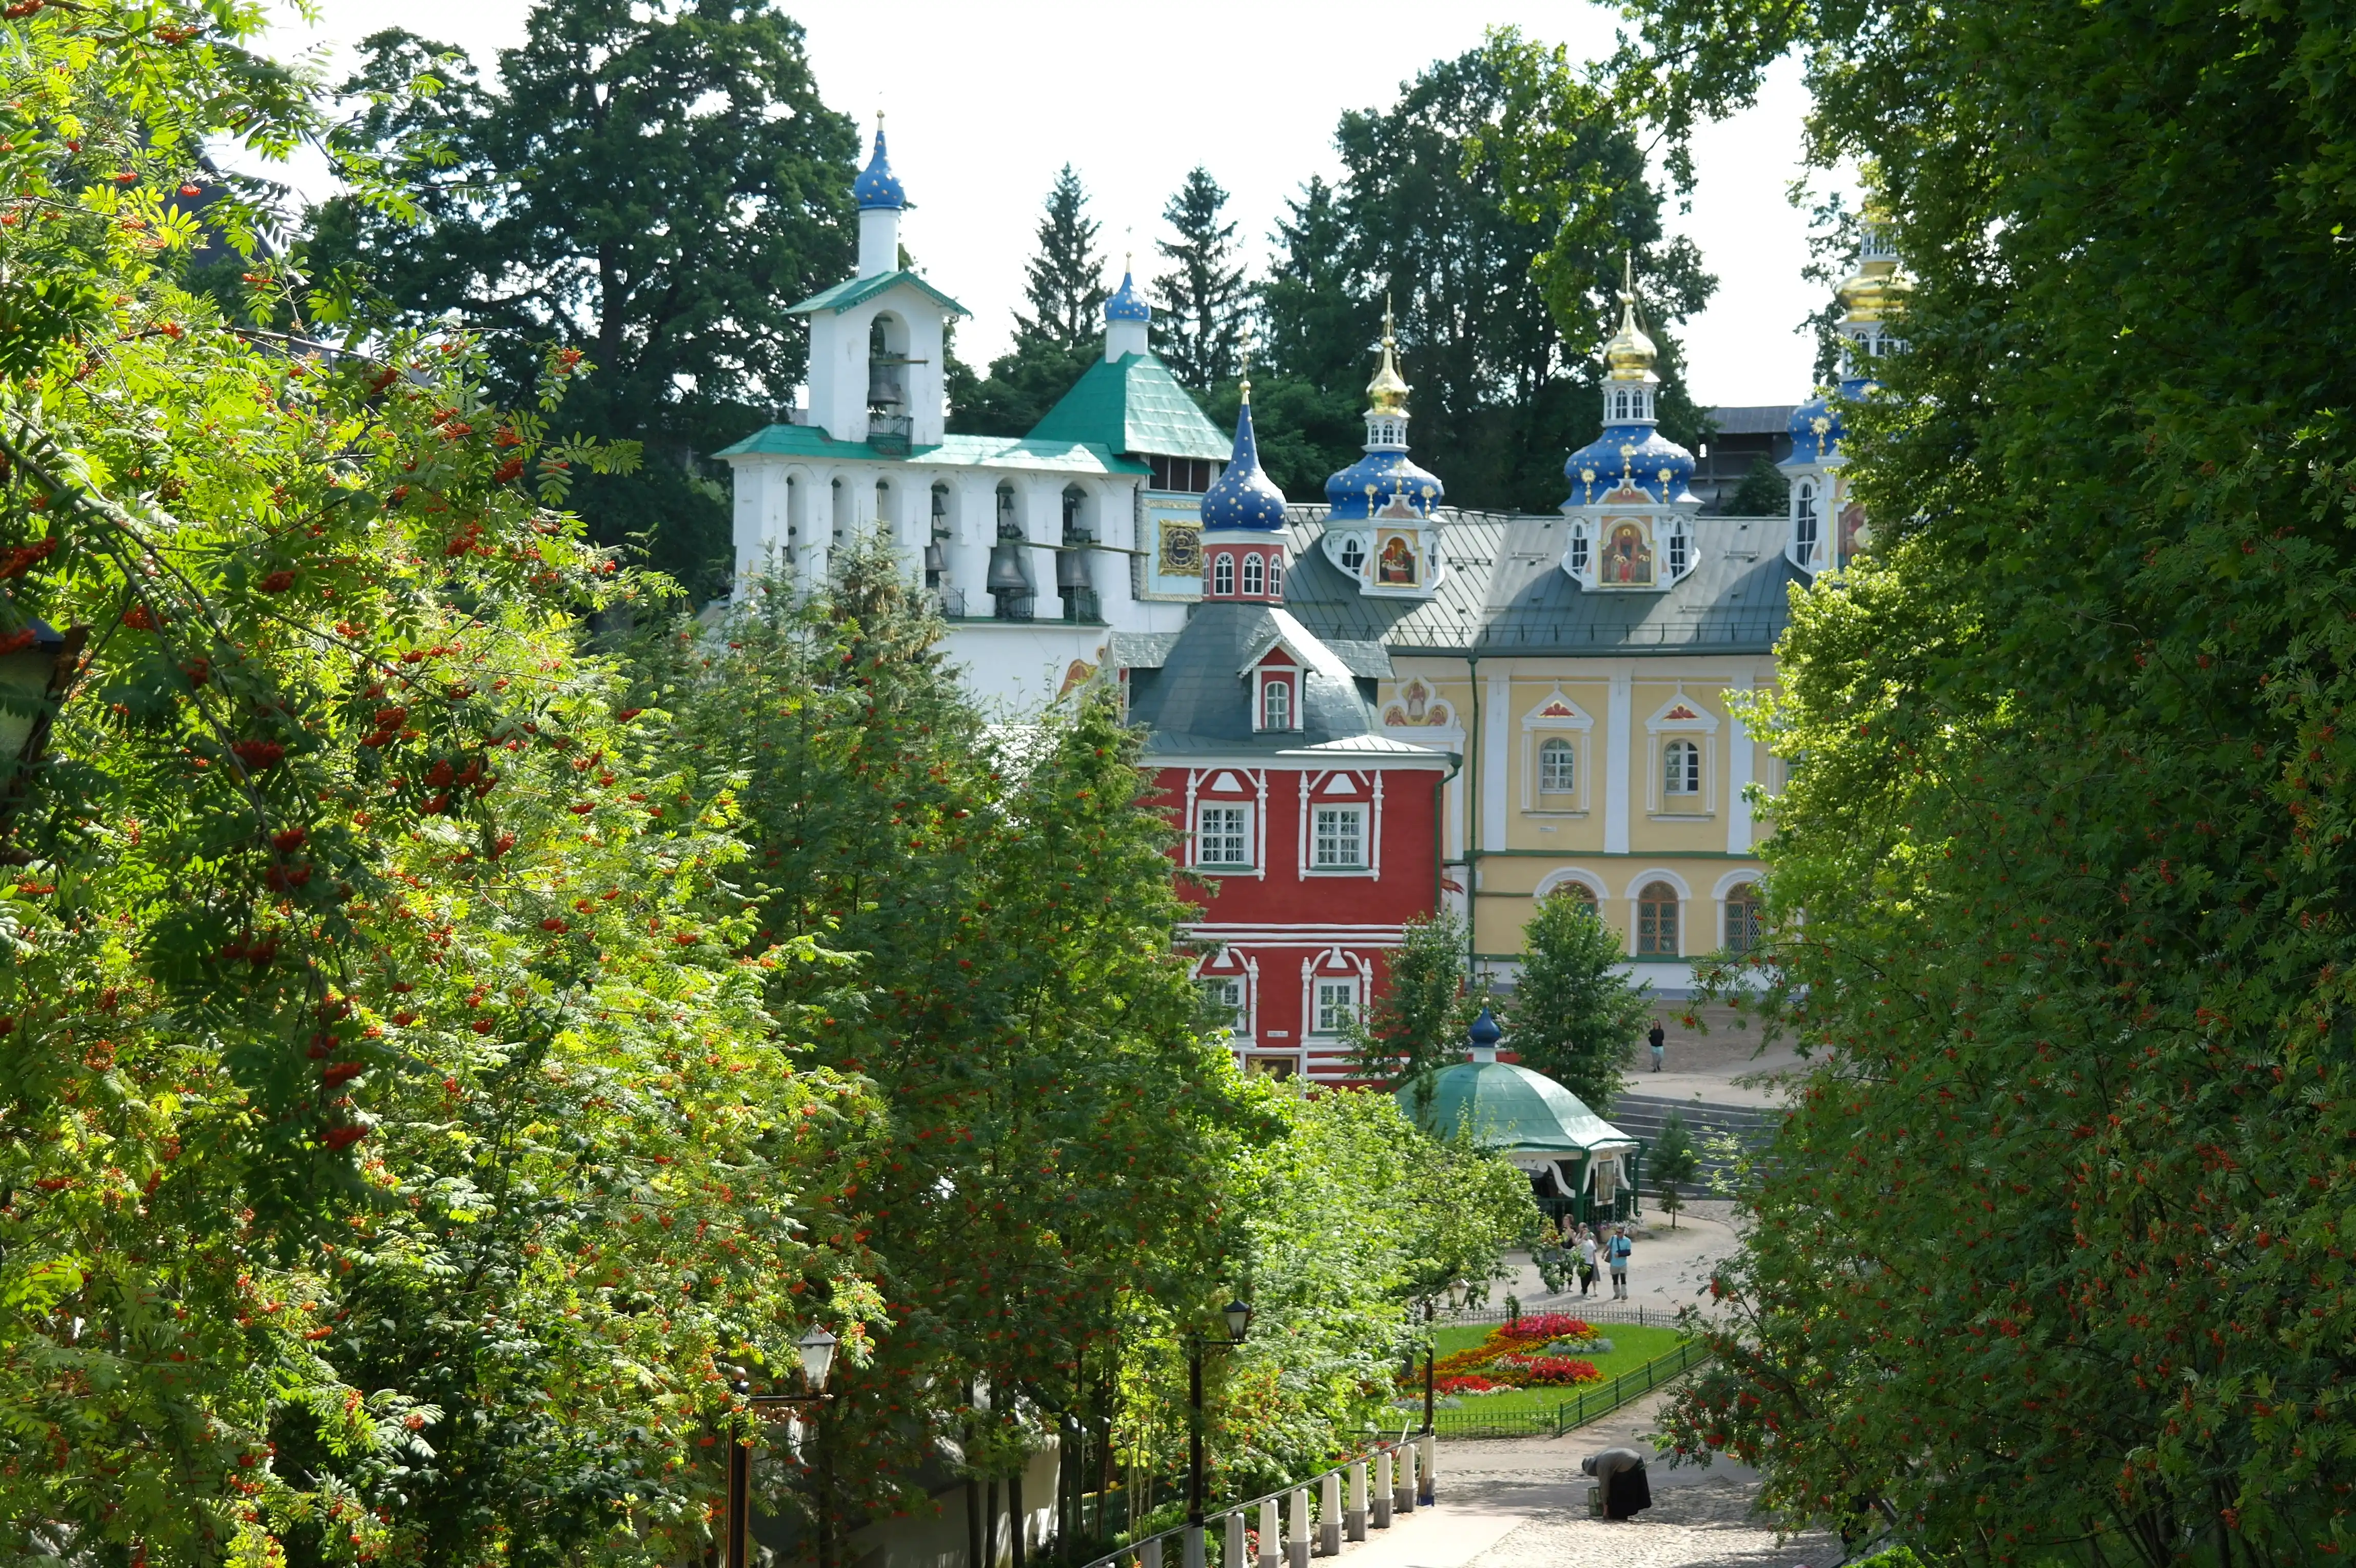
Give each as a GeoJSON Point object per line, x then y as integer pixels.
{"type": "Point", "coordinates": [1586, 1261]}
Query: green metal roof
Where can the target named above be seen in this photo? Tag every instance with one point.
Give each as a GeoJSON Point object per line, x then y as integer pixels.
{"type": "Point", "coordinates": [954, 451]}
{"type": "Point", "coordinates": [844, 296]}
{"type": "Point", "coordinates": [1510, 1108]}
{"type": "Point", "coordinates": [1132, 404]}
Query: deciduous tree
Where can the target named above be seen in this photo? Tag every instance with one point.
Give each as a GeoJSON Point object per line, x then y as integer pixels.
{"type": "Point", "coordinates": [1572, 1016]}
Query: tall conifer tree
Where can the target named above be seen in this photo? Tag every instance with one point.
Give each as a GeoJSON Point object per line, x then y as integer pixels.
{"type": "Point", "coordinates": [1198, 330]}
{"type": "Point", "coordinates": [1065, 282]}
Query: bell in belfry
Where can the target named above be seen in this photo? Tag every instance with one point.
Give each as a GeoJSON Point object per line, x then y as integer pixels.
{"type": "Point", "coordinates": [1006, 569]}
{"type": "Point", "coordinates": [937, 560]}
{"type": "Point", "coordinates": [1071, 571]}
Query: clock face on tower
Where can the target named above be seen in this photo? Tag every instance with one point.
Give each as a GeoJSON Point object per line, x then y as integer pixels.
{"type": "Point", "coordinates": [1182, 549]}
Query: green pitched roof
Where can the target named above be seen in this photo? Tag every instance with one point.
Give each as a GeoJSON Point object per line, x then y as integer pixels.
{"type": "Point", "coordinates": [1132, 404]}
{"type": "Point", "coordinates": [844, 296]}
{"type": "Point", "coordinates": [954, 451]}
{"type": "Point", "coordinates": [1510, 1108]}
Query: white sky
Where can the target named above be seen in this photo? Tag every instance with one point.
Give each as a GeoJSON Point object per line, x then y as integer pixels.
{"type": "Point", "coordinates": [985, 102]}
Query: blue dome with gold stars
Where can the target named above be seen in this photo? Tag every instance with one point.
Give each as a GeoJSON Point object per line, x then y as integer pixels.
{"type": "Point", "coordinates": [1815, 429]}
{"type": "Point", "coordinates": [1125, 304]}
{"type": "Point", "coordinates": [1382, 484]}
{"type": "Point", "coordinates": [1244, 496]}
{"type": "Point", "coordinates": [877, 186]}
{"type": "Point", "coordinates": [1629, 455]}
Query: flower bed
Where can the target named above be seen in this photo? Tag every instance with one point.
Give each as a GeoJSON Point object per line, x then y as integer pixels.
{"type": "Point", "coordinates": [1510, 1358]}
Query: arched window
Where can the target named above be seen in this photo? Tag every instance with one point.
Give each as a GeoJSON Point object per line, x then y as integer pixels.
{"type": "Point", "coordinates": [1276, 577]}
{"type": "Point", "coordinates": [1254, 581]}
{"type": "Point", "coordinates": [1223, 574]}
{"type": "Point", "coordinates": [1681, 768]}
{"type": "Point", "coordinates": [1804, 523]}
{"type": "Point", "coordinates": [1558, 769]}
{"type": "Point", "coordinates": [1680, 549]}
{"type": "Point", "coordinates": [1578, 549]}
{"type": "Point", "coordinates": [1580, 894]}
{"type": "Point", "coordinates": [1276, 705]}
{"type": "Point", "coordinates": [1354, 552]}
{"type": "Point", "coordinates": [1656, 920]}
{"type": "Point", "coordinates": [1743, 913]}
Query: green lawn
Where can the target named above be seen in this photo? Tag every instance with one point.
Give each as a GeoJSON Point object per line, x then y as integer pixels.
{"type": "Point", "coordinates": [1632, 1347]}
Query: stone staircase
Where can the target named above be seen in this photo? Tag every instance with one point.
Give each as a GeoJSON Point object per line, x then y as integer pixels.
{"type": "Point", "coordinates": [1641, 1116]}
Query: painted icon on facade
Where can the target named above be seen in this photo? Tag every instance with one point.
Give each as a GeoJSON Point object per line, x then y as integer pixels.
{"type": "Point", "coordinates": [1627, 560]}
{"type": "Point", "coordinates": [1395, 561]}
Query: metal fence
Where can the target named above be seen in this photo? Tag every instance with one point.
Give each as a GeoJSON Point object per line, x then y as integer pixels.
{"type": "Point", "coordinates": [1588, 1404]}
{"type": "Point", "coordinates": [1602, 1310]}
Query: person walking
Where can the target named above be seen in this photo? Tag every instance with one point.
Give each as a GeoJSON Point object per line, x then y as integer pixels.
{"type": "Point", "coordinates": [1618, 1254]}
{"type": "Point", "coordinates": [1586, 1261]}
{"type": "Point", "coordinates": [1660, 1039]}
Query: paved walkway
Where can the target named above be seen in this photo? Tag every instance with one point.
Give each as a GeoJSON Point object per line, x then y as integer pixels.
{"type": "Point", "coordinates": [1522, 1503]}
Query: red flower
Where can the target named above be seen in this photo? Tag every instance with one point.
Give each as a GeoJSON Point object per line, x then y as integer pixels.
{"type": "Point", "coordinates": [553, 924]}
{"type": "Point", "coordinates": [277, 582]}
{"type": "Point", "coordinates": [257, 754]}
{"type": "Point", "coordinates": [342, 1072]}
{"type": "Point", "coordinates": [342, 1137]}
{"type": "Point", "coordinates": [291, 839]}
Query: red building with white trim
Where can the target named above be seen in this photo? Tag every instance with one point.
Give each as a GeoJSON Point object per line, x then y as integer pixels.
{"type": "Point", "coordinates": [1319, 834]}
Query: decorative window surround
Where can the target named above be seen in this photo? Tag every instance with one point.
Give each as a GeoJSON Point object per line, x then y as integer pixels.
{"type": "Point", "coordinates": [1681, 718]}
{"type": "Point", "coordinates": [1333, 967]}
{"type": "Point", "coordinates": [1363, 791]}
{"type": "Point", "coordinates": [1557, 717]}
{"type": "Point", "coordinates": [1225, 787]}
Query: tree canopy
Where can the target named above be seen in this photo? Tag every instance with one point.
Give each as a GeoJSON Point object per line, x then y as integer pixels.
{"type": "Point", "coordinates": [1491, 206]}
{"type": "Point", "coordinates": [1571, 1016]}
{"type": "Point", "coordinates": [1062, 336]}
{"type": "Point", "coordinates": [1198, 325]}
{"type": "Point", "coordinates": [652, 185]}
{"type": "Point", "coordinates": [2049, 1256]}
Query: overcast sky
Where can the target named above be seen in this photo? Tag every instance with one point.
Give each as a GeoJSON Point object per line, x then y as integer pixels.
{"type": "Point", "coordinates": [987, 101]}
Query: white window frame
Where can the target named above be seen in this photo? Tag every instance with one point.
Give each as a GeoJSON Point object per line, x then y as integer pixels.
{"type": "Point", "coordinates": [1557, 760]}
{"type": "Point", "coordinates": [1276, 691]}
{"type": "Point", "coordinates": [1289, 676]}
{"type": "Point", "coordinates": [1223, 574]}
{"type": "Point", "coordinates": [1276, 576]}
{"type": "Point", "coordinates": [1363, 791]}
{"type": "Point", "coordinates": [1348, 989]}
{"type": "Point", "coordinates": [1678, 554]}
{"type": "Point", "coordinates": [1254, 573]}
{"type": "Point", "coordinates": [1538, 726]}
{"type": "Point", "coordinates": [1351, 814]}
{"type": "Point", "coordinates": [1680, 771]}
{"type": "Point", "coordinates": [1579, 556]}
{"type": "Point", "coordinates": [1241, 833]}
{"type": "Point", "coordinates": [1352, 545]}
{"type": "Point", "coordinates": [1702, 731]}
{"type": "Point", "coordinates": [1805, 530]}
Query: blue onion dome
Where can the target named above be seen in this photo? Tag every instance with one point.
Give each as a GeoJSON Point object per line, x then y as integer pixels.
{"type": "Point", "coordinates": [877, 186]}
{"type": "Point", "coordinates": [1484, 1033]}
{"type": "Point", "coordinates": [1126, 304]}
{"type": "Point", "coordinates": [1630, 456]}
{"type": "Point", "coordinates": [1815, 428]}
{"type": "Point", "coordinates": [1382, 484]}
{"type": "Point", "coordinates": [1244, 496]}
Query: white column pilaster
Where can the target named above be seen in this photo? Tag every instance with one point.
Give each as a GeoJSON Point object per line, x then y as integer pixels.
{"type": "Point", "coordinates": [1618, 718]}
{"type": "Point", "coordinates": [1039, 502]}
{"type": "Point", "coordinates": [1741, 768]}
{"type": "Point", "coordinates": [1497, 758]}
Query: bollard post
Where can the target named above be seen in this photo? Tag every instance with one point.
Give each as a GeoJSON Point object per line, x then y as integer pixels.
{"type": "Point", "coordinates": [1194, 1546]}
{"type": "Point", "coordinates": [1235, 1544]}
{"type": "Point", "coordinates": [1426, 1451]}
{"type": "Point", "coordinates": [1384, 1497]}
{"type": "Point", "coordinates": [1150, 1554]}
{"type": "Point", "coordinates": [1271, 1536]}
{"type": "Point", "coordinates": [1329, 1514]}
{"type": "Point", "coordinates": [1403, 1487]}
{"type": "Point", "coordinates": [1296, 1542]}
{"type": "Point", "coordinates": [1356, 1518]}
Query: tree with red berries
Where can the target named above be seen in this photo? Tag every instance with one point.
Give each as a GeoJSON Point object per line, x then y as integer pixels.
{"type": "Point", "coordinates": [400, 1123]}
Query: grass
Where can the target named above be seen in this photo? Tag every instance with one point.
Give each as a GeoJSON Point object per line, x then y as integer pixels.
{"type": "Point", "coordinates": [1632, 1347]}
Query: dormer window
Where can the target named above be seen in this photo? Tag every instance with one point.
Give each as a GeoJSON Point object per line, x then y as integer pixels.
{"type": "Point", "coordinates": [1354, 552]}
{"type": "Point", "coordinates": [1255, 575]}
{"type": "Point", "coordinates": [1276, 702]}
{"type": "Point", "coordinates": [1804, 523]}
{"type": "Point", "coordinates": [1222, 575]}
{"type": "Point", "coordinates": [1578, 550]}
{"type": "Point", "coordinates": [1680, 549]}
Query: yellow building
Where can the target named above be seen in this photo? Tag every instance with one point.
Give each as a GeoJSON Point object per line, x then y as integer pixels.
{"type": "Point", "coordinates": [1579, 666]}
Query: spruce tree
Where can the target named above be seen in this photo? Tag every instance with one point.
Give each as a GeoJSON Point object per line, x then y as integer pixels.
{"type": "Point", "coordinates": [1572, 1017]}
{"type": "Point", "coordinates": [1065, 282]}
{"type": "Point", "coordinates": [1199, 326]}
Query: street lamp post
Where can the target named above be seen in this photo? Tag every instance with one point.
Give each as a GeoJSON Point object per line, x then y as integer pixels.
{"type": "Point", "coordinates": [816, 1348]}
{"type": "Point", "coordinates": [1238, 1315]}
{"type": "Point", "coordinates": [1427, 1362]}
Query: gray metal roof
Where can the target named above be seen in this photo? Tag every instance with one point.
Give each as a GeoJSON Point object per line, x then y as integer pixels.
{"type": "Point", "coordinates": [1762, 419]}
{"type": "Point", "coordinates": [1506, 594]}
{"type": "Point", "coordinates": [1199, 699]}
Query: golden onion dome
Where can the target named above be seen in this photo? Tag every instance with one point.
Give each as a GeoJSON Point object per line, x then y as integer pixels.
{"type": "Point", "coordinates": [1629, 354]}
{"type": "Point", "coordinates": [1388, 392]}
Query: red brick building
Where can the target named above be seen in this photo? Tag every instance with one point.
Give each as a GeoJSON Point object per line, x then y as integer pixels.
{"type": "Point", "coordinates": [1320, 835]}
